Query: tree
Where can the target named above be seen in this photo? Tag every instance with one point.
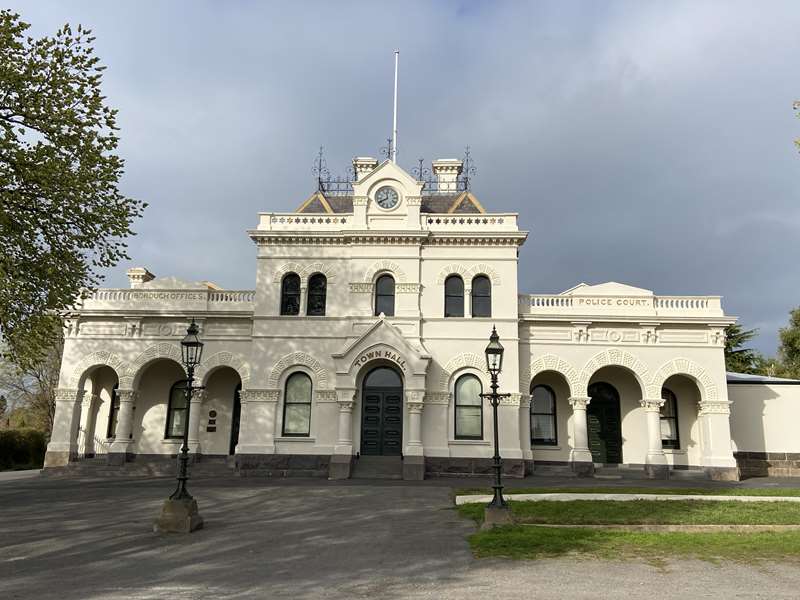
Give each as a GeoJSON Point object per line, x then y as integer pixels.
{"type": "Point", "coordinates": [789, 349]}
{"type": "Point", "coordinates": [31, 389]}
{"type": "Point", "coordinates": [62, 217]}
{"type": "Point", "coordinates": [739, 359]}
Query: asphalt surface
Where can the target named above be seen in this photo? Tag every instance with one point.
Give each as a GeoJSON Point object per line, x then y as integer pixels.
{"type": "Point", "coordinates": [92, 539]}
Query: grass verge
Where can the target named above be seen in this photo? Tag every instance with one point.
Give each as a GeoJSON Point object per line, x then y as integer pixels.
{"type": "Point", "coordinates": [636, 490]}
{"type": "Point", "coordinates": [526, 542]}
{"type": "Point", "coordinates": [647, 512]}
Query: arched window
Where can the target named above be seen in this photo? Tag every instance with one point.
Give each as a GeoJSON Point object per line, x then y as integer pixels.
{"type": "Point", "coordinates": [384, 295]}
{"type": "Point", "coordinates": [454, 296]}
{"type": "Point", "coordinates": [481, 296]}
{"type": "Point", "coordinates": [297, 405]}
{"type": "Point", "coordinates": [176, 410]}
{"type": "Point", "coordinates": [113, 413]}
{"type": "Point", "coordinates": [290, 294]}
{"type": "Point", "coordinates": [468, 408]}
{"type": "Point", "coordinates": [317, 289]}
{"type": "Point", "coordinates": [543, 416]}
{"type": "Point", "coordinates": [669, 420]}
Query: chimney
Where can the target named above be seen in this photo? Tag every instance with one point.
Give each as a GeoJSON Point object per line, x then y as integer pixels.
{"type": "Point", "coordinates": [363, 166]}
{"type": "Point", "coordinates": [139, 275]}
{"type": "Point", "coordinates": [447, 171]}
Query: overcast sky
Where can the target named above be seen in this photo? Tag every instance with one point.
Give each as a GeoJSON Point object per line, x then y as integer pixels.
{"type": "Point", "coordinates": [643, 142]}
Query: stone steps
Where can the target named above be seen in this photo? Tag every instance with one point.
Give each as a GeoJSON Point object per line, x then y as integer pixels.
{"type": "Point", "coordinates": [378, 467]}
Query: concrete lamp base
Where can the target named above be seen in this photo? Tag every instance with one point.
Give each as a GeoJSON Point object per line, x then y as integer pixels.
{"type": "Point", "coordinates": [178, 516]}
{"type": "Point", "coordinates": [495, 517]}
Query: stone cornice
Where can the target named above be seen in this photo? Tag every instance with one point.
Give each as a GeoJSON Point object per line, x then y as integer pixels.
{"type": "Point", "coordinates": [423, 237]}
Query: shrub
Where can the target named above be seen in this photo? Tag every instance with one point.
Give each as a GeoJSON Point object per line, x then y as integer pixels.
{"type": "Point", "coordinates": [22, 448]}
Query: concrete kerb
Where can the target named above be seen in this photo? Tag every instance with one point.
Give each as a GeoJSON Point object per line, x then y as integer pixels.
{"type": "Point", "coordinates": [563, 497]}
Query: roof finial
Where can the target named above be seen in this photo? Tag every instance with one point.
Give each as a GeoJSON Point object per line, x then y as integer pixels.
{"type": "Point", "coordinates": [320, 170]}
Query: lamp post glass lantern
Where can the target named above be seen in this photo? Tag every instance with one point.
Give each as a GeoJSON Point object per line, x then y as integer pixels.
{"type": "Point", "coordinates": [191, 353]}
{"type": "Point", "coordinates": [494, 364]}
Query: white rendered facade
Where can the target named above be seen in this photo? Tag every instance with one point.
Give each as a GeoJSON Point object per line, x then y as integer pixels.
{"type": "Point", "coordinates": [627, 339]}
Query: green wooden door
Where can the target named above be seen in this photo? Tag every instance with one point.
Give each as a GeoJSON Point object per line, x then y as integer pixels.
{"type": "Point", "coordinates": [604, 424]}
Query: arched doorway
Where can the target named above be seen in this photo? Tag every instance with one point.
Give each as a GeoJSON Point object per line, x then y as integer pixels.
{"type": "Point", "coordinates": [604, 423]}
{"type": "Point", "coordinates": [236, 417]}
{"type": "Point", "coordinates": [382, 413]}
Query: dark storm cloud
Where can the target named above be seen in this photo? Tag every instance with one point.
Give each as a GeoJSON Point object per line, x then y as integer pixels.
{"type": "Point", "coordinates": [648, 143]}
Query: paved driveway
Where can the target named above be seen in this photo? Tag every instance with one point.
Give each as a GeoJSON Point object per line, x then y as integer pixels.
{"type": "Point", "coordinates": [304, 539]}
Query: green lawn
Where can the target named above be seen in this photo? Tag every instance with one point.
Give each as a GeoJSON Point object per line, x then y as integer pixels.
{"type": "Point", "coordinates": [521, 541]}
{"type": "Point", "coordinates": [526, 540]}
{"type": "Point", "coordinates": [636, 490]}
{"type": "Point", "coordinates": [647, 512]}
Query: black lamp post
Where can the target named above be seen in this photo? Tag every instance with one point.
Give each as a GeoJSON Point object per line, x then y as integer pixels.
{"type": "Point", "coordinates": [191, 353]}
{"type": "Point", "coordinates": [179, 513]}
{"type": "Point", "coordinates": [494, 364]}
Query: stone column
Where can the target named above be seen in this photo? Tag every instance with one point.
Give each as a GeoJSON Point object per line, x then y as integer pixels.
{"type": "Point", "coordinates": [580, 456]}
{"type": "Point", "coordinates": [525, 431]}
{"type": "Point", "coordinates": [195, 412]}
{"type": "Point", "coordinates": [413, 456]}
{"type": "Point", "coordinates": [655, 464]}
{"type": "Point", "coordinates": [122, 439]}
{"type": "Point", "coordinates": [63, 445]}
{"type": "Point", "coordinates": [87, 425]}
{"type": "Point", "coordinates": [257, 424]}
{"type": "Point", "coordinates": [467, 300]}
{"type": "Point", "coordinates": [303, 298]}
{"type": "Point", "coordinates": [342, 459]}
{"type": "Point", "coordinates": [718, 460]}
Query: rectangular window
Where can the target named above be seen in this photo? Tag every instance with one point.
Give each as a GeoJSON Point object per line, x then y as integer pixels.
{"type": "Point", "coordinates": [176, 411]}
{"type": "Point", "coordinates": [543, 416]}
{"type": "Point", "coordinates": [669, 421]}
{"type": "Point", "coordinates": [468, 408]}
{"type": "Point", "coordinates": [297, 406]}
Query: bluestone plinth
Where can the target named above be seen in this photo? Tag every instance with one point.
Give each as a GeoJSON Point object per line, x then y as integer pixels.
{"type": "Point", "coordinates": [178, 516]}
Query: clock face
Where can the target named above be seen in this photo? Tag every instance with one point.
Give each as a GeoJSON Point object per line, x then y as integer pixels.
{"type": "Point", "coordinates": [386, 197]}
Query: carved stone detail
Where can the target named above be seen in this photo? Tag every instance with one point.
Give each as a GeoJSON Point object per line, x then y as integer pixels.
{"type": "Point", "coordinates": [68, 395]}
{"type": "Point", "coordinates": [717, 407]}
{"type": "Point", "coordinates": [95, 359]}
{"type": "Point", "coordinates": [550, 362]}
{"type": "Point", "coordinates": [651, 404]}
{"type": "Point", "coordinates": [438, 398]}
{"type": "Point", "coordinates": [407, 288]}
{"type": "Point", "coordinates": [360, 288]}
{"type": "Point", "coordinates": [164, 350]}
{"type": "Point", "coordinates": [225, 359]}
{"type": "Point", "coordinates": [303, 359]}
{"type": "Point", "coordinates": [325, 396]}
{"type": "Point", "coordinates": [579, 402]}
{"type": "Point", "coordinates": [467, 273]}
{"type": "Point", "coordinates": [259, 395]}
{"type": "Point", "coordinates": [685, 366]}
{"type": "Point", "coordinates": [385, 265]}
{"type": "Point", "coordinates": [468, 359]}
{"type": "Point", "coordinates": [614, 357]}
{"type": "Point", "coordinates": [305, 271]}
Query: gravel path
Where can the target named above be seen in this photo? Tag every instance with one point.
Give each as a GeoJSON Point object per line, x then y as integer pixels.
{"type": "Point", "coordinates": [90, 540]}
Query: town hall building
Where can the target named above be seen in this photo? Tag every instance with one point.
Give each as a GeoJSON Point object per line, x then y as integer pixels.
{"type": "Point", "coordinates": [364, 337]}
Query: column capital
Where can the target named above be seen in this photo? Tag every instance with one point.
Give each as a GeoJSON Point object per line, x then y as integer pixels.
{"type": "Point", "coordinates": [198, 396]}
{"type": "Point", "coordinates": [415, 397]}
{"type": "Point", "coordinates": [127, 395]}
{"type": "Point", "coordinates": [579, 402]}
{"type": "Point", "coordinates": [651, 404]}
{"type": "Point", "coordinates": [524, 400]}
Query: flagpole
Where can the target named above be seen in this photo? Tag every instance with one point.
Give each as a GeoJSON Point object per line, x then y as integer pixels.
{"type": "Point", "coordinates": [394, 118]}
